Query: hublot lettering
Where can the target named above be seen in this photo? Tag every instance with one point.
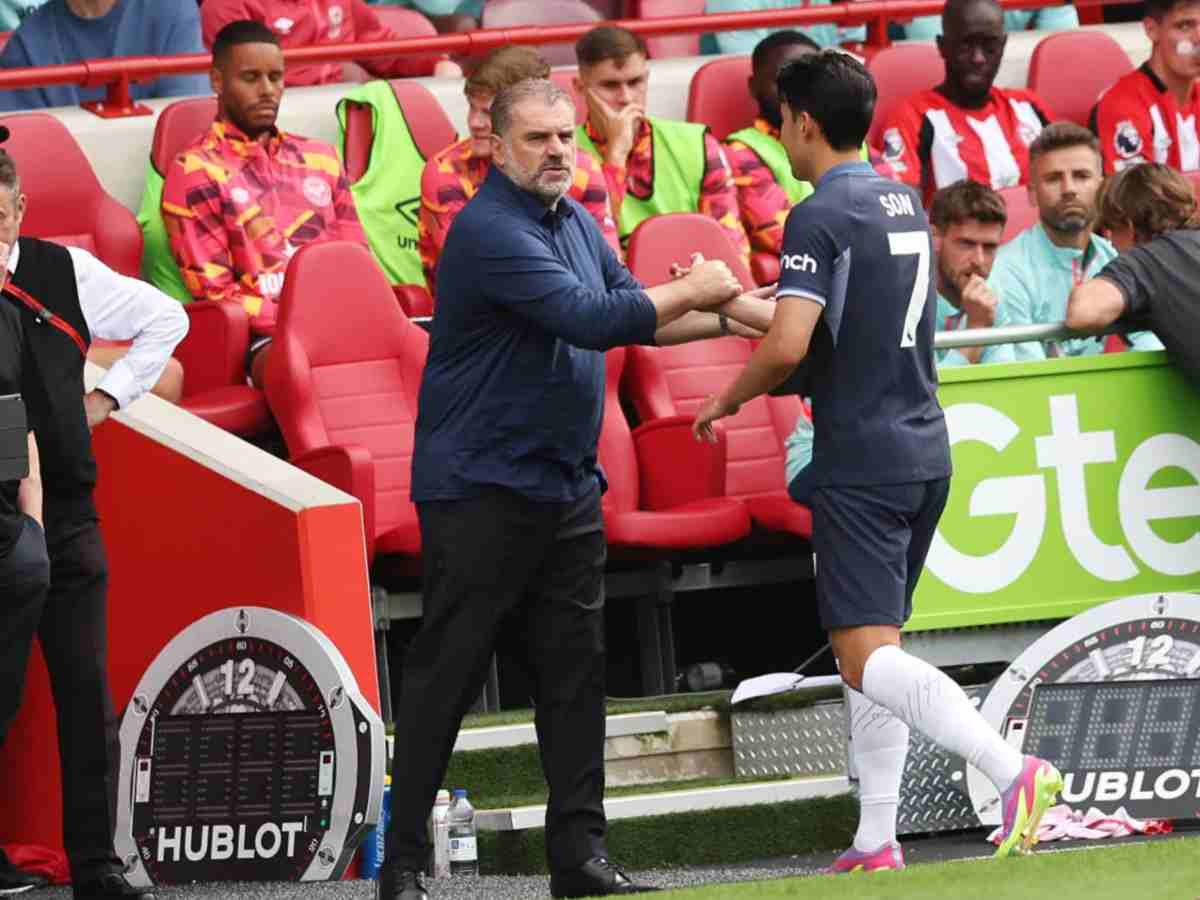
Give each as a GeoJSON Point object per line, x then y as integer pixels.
{"type": "Point", "coordinates": [1114, 787]}
{"type": "Point", "coordinates": [196, 843]}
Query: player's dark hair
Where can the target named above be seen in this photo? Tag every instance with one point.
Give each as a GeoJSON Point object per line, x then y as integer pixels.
{"type": "Point", "coordinates": [1153, 198]}
{"type": "Point", "coordinates": [1157, 9]}
{"type": "Point", "coordinates": [609, 42]}
{"type": "Point", "coordinates": [836, 90]}
{"type": "Point", "coordinates": [967, 201]}
{"type": "Point", "coordinates": [240, 31]}
{"type": "Point", "coordinates": [955, 11]}
{"type": "Point", "coordinates": [1060, 136]}
{"type": "Point", "coordinates": [777, 40]}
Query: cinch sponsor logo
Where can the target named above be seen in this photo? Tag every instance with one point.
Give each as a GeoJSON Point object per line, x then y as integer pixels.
{"type": "Point", "coordinates": [1110, 787]}
{"type": "Point", "coordinates": [799, 262]}
{"type": "Point", "coordinates": [195, 843]}
{"type": "Point", "coordinates": [1073, 454]}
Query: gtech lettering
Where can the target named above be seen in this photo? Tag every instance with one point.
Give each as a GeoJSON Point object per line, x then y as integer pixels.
{"type": "Point", "coordinates": [195, 843]}
{"type": "Point", "coordinates": [1073, 455]}
{"type": "Point", "coordinates": [799, 262]}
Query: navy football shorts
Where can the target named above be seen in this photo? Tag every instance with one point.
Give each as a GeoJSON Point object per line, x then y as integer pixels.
{"type": "Point", "coordinates": [870, 545]}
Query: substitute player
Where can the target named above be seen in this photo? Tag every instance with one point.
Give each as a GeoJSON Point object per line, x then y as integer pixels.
{"type": "Point", "coordinates": [855, 288]}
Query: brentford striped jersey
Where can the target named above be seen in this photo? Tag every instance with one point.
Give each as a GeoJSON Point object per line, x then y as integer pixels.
{"type": "Point", "coordinates": [1138, 120]}
{"type": "Point", "coordinates": [931, 143]}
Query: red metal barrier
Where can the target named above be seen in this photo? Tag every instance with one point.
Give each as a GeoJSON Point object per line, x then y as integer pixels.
{"type": "Point", "coordinates": [119, 73]}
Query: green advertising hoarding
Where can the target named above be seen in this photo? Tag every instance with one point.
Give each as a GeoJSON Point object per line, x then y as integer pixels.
{"type": "Point", "coordinates": [1076, 481]}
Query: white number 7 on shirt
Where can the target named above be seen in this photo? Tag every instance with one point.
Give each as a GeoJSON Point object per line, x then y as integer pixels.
{"type": "Point", "coordinates": [907, 243]}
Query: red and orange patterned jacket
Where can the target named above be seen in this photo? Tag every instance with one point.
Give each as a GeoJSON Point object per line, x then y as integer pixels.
{"type": "Point", "coordinates": [236, 210]}
{"type": "Point", "coordinates": [452, 177]}
{"type": "Point", "coordinates": [718, 196]}
{"type": "Point", "coordinates": [763, 202]}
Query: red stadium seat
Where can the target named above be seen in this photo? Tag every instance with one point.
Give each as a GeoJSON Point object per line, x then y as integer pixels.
{"type": "Point", "coordinates": [1022, 212]}
{"type": "Point", "coordinates": [407, 23]}
{"type": "Point", "coordinates": [668, 45]}
{"type": "Point", "coordinates": [432, 132]}
{"type": "Point", "coordinates": [510, 13]}
{"type": "Point", "coordinates": [213, 354]}
{"type": "Point", "coordinates": [666, 490]}
{"type": "Point", "coordinates": [1094, 62]}
{"type": "Point", "coordinates": [719, 96]}
{"type": "Point", "coordinates": [901, 71]}
{"type": "Point", "coordinates": [67, 204]}
{"type": "Point", "coordinates": [342, 379]}
{"type": "Point", "coordinates": [564, 77]}
{"type": "Point", "coordinates": [665, 499]}
{"type": "Point", "coordinates": [673, 381]}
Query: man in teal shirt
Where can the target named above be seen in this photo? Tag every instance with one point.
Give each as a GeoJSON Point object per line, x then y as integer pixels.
{"type": "Point", "coordinates": [1036, 270]}
{"type": "Point", "coordinates": [13, 11]}
{"type": "Point", "coordinates": [1048, 18]}
{"type": "Point", "coordinates": [828, 35]}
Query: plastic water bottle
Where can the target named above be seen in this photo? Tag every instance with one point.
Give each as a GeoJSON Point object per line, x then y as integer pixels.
{"type": "Point", "coordinates": [464, 853]}
{"type": "Point", "coordinates": [372, 848]}
{"type": "Point", "coordinates": [439, 836]}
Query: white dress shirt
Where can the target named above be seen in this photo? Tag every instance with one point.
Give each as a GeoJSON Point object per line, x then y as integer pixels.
{"type": "Point", "coordinates": [119, 308]}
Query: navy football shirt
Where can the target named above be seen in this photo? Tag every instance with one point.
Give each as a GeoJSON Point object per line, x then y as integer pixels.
{"type": "Point", "coordinates": [860, 246]}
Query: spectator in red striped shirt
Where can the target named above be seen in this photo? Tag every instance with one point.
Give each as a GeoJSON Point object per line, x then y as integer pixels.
{"type": "Point", "coordinates": [966, 127]}
{"type": "Point", "coordinates": [311, 23]}
{"type": "Point", "coordinates": [245, 196]}
{"type": "Point", "coordinates": [1151, 114]}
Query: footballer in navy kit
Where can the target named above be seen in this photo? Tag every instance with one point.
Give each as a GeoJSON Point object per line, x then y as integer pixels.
{"type": "Point", "coordinates": [857, 300]}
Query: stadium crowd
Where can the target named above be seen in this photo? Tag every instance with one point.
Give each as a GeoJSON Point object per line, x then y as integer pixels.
{"type": "Point", "coordinates": [1113, 233]}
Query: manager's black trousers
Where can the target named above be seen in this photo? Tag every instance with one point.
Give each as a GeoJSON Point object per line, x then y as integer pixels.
{"type": "Point", "coordinates": [497, 562]}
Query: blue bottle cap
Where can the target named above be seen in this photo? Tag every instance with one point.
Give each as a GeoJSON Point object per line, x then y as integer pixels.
{"type": "Point", "coordinates": [460, 792]}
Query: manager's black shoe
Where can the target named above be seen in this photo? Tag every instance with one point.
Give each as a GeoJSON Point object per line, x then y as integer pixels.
{"type": "Point", "coordinates": [406, 885]}
{"type": "Point", "coordinates": [111, 884]}
{"type": "Point", "coordinates": [15, 881]}
{"type": "Point", "coordinates": [598, 877]}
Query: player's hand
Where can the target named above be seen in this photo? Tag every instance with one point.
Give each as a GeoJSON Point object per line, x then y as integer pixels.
{"type": "Point", "coordinates": [616, 129]}
{"type": "Point", "coordinates": [447, 68]}
{"type": "Point", "coordinates": [766, 292]}
{"type": "Point", "coordinates": [678, 270]}
{"type": "Point", "coordinates": [712, 283]}
{"type": "Point", "coordinates": [715, 407]}
{"type": "Point", "coordinates": [98, 405]}
{"type": "Point", "coordinates": [979, 302]}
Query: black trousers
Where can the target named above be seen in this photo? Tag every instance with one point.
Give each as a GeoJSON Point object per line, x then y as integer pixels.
{"type": "Point", "coordinates": [24, 580]}
{"type": "Point", "coordinates": [74, 636]}
{"type": "Point", "coordinates": [503, 562]}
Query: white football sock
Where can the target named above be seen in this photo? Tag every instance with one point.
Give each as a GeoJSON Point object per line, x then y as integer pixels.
{"type": "Point", "coordinates": [929, 701]}
{"type": "Point", "coordinates": [879, 742]}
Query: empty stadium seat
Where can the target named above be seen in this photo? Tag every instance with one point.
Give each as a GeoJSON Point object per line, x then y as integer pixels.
{"type": "Point", "coordinates": [899, 72]}
{"type": "Point", "coordinates": [666, 45]}
{"type": "Point", "coordinates": [673, 381]}
{"type": "Point", "coordinates": [510, 13]}
{"type": "Point", "coordinates": [214, 352]}
{"type": "Point", "coordinates": [432, 132]}
{"type": "Point", "coordinates": [342, 379]}
{"type": "Point", "coordinates": [67, 204]}
{"type": "Point", "coordinates": [1069, 70]}
{"type": "Point", "coordinates": [565, 78]}
{"type": "Point", "coordinates": [1022, 212]}
{"type": "Point", "coordinates": [719, 96]}
{"type": "Point", "coordinates": [407, 23]}
{"type": "Point", "coordinates": [665, 499]}
{"type": "Point", "coordinates": [666, 489]}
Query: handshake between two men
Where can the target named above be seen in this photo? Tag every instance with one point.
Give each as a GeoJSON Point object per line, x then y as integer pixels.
{"type": "Point", "coordinates": [706, 300]}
